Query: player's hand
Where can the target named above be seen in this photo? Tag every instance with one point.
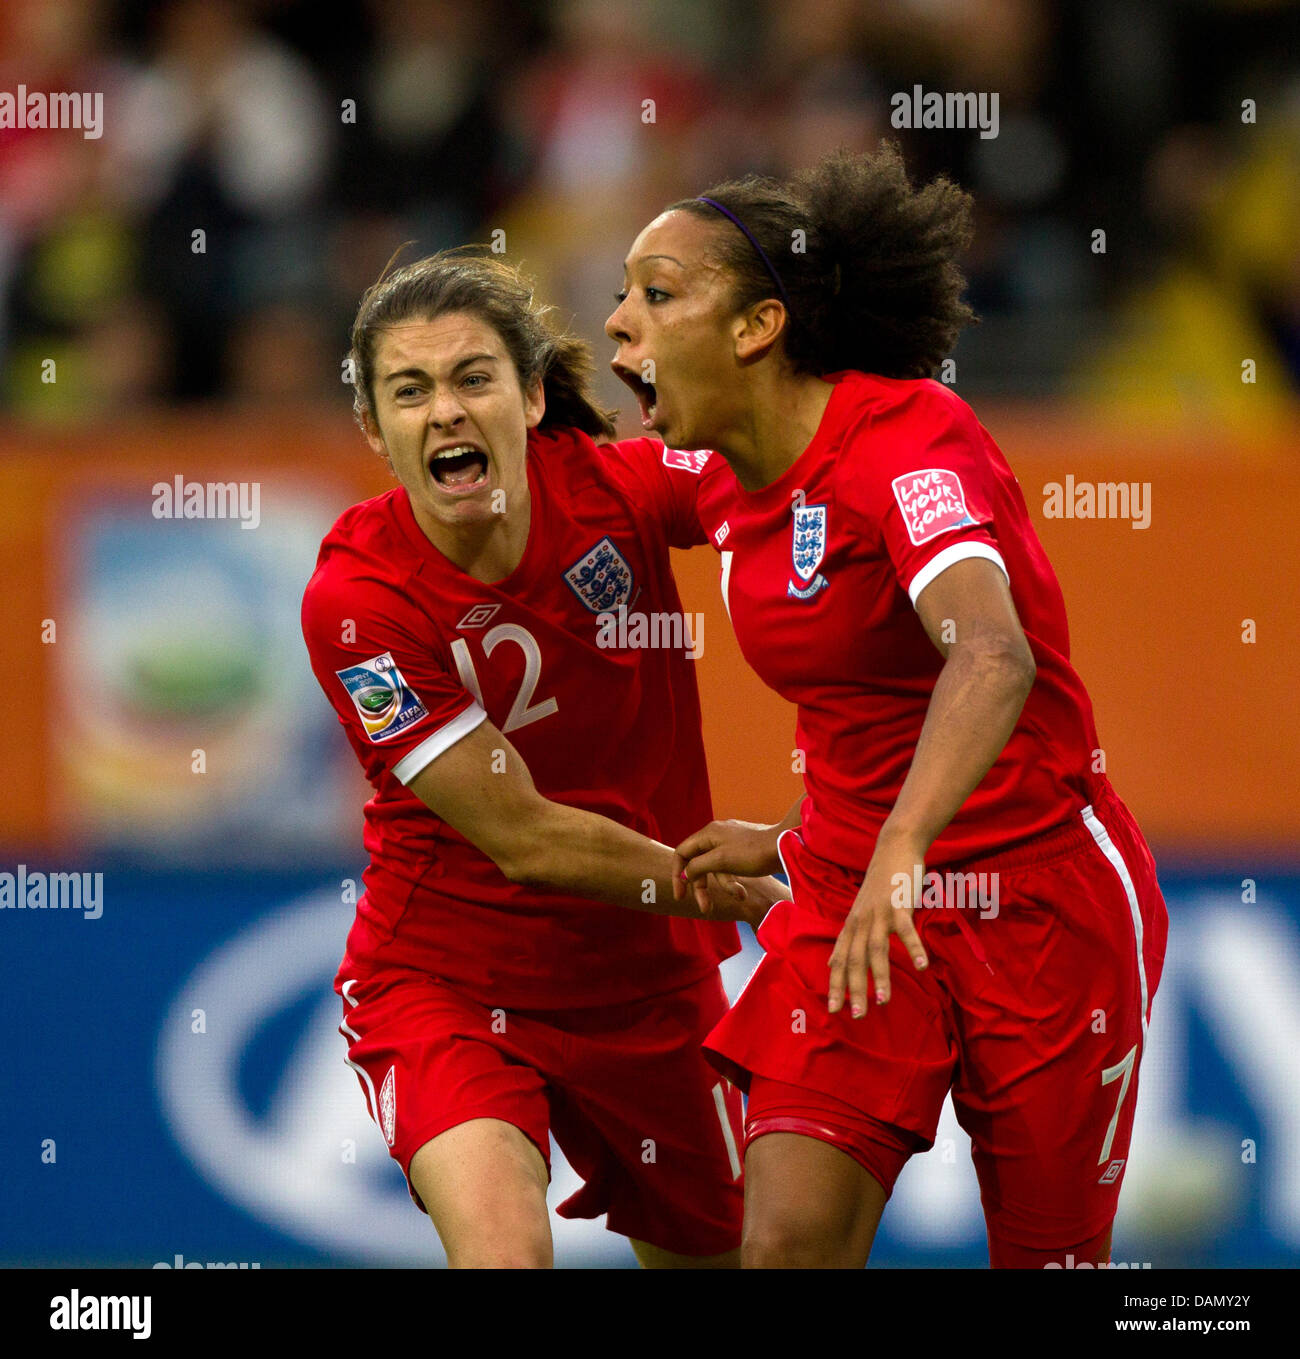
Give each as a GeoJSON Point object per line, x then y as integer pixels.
{"type": "Point", "coordinates": [718, 899]}
{"type": "Point", "coordinates": [718, 896]}
{"type": "Point", "coordinates": [738, 847]}
{"type": "Point", "coordinates": [883, 906]}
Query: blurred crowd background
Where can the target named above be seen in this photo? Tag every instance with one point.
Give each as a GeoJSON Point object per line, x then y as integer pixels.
{"type": "Point", "coordinates": [229, 116]}
{"type": "Point", "coordinates": [164, 728]}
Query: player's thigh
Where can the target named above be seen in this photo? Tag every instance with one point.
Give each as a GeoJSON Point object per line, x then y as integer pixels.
{"type": "Point", "coordinates": [650, 1127]}
{"type": "Point", "coordinates": [655, 1257]}
{"type": "Point", "coordinates": [483, 1183]}
{"type": "Point", "coordinates": [1050, 1114]}
{"type": "Point", "coordinates": [1050, 1141]}
{"type": "Point", "coordinates": [819, 1172]}
{"type": "Point", "coordinates": [808, 1204]}
{"type": "Point", "coordinates": [467, 1101]}
{"type": "Point", "coordinates": [1090, 1254]}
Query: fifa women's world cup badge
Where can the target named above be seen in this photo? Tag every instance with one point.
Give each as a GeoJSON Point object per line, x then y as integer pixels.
{"type": "Point", "coordinates": [807, 547]}
{"type": "Point", "coordinates": [386, 703]}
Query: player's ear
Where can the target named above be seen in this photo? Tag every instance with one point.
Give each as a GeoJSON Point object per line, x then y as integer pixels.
{"type": "Point", "coordinates": [534, 404]}
{"type": "Point", "coordinates": [757, 328]}
{"type": "Point", "coordinates": [370, 428]}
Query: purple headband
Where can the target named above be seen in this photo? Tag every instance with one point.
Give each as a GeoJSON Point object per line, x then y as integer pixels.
{"type": "Point", "coordinates": [762, 254]}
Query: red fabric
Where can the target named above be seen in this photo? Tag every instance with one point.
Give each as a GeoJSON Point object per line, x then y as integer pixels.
{"type": "Point", "coordinates": [625, 1089]}
{"type": "Point", "coordinates": [1085, 1255]}
{"type": "Point", "coordinates": [850, 651]}
{"type": "Point", "coordinates": [1022, 1036]}
{"type": "Point", "coordinates": [623, 739]}
{"type": "Point", "coordinates": [881, 1150]}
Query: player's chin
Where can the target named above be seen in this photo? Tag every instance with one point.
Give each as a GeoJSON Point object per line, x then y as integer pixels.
{"type": "Point", "coordinates": [668, 429]}
{"type": "Point", "coordinates": [681, 436]}
{"type": "Point", "coordinates": [474, 507]}
{"type": "Point", "coordinates": [677, 429]}
{"type": "Point", "coordinates": [470, 509]}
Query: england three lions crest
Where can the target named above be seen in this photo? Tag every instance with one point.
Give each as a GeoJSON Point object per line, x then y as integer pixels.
{"type": "Point", "coordinates": [602, 579]}
{"type": "Point", "coordinates": [807, 549]}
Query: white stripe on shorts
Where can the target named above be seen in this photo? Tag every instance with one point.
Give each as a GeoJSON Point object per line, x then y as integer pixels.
{"type": "Point", "coordinates": [726, 581]}
{"type": "Point", "coordinates": [720, 1103]}
{"type": "Point", "coordinates": [1107, 846]}
{"type": "Point", "coordinates": [356, 1038]}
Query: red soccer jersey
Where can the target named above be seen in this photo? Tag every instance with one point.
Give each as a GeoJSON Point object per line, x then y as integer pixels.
{"type": "Point", "coordinates": [413, 653]}
{"type": "Point", "coordinates": [820, 573]}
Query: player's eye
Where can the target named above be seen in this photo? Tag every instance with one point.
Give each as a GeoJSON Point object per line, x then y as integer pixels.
{"type": "Point", "coordinates": [652, 295]}
{"type": "Point", "coordinates": [404, 391]}
{"type": "Point", "coordinates": [476, 379]}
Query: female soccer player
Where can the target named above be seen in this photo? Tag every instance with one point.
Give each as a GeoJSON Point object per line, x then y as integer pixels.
{"type": "Point", "coordinates": [881, 572]}
{"type": "Point", "coordinates": [525, 769]}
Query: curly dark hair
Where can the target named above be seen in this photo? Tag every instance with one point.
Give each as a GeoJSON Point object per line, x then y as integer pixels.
{"type": "Point", "coordinates": [868, 262]}
{"type": "Point", "coordinates": [472, 279]}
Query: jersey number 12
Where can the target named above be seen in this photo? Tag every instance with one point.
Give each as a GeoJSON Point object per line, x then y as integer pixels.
{"type": "Point", "coordinates": [521, 714]}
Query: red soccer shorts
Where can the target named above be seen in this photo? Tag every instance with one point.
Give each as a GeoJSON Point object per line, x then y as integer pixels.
{"type": "Point", "coordinates": [1033, 1012]}
{"type": "Point", "coordinates": [640, 1114]}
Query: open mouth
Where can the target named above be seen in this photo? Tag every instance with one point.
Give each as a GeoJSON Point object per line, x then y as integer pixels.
{"type": "Point", "coordinates": [459, 469]}
{"type": "Point", "coordinates": [646, 396]}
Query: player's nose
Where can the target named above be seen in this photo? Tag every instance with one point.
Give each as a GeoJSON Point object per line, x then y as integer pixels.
{"type": "Point", "coordinates": [445, 409]}
{"type": "Point", "coordinates": [616, 324]}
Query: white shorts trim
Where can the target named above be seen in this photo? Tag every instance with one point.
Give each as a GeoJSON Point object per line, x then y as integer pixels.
{"type": "Point", "coordinates": [354, 1037]}
{"type": "Point", "coordinates": [1107, 846]}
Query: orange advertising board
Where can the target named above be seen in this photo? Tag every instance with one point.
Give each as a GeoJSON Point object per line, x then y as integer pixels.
{"type": "Point", "coordinates": [1184, 631]}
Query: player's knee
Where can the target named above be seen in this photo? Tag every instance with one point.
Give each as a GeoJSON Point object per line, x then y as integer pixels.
{"type": "Point", "coordinates": [510, 1239]}
{"type": "Point", "coordinates": [789, 1240]}
{"type": "Point", "coordinates": [533, 1254]}
{"type": "Point", "coordinates": [488, 1233]}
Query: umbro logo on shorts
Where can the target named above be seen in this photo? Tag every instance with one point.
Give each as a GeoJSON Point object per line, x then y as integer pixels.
{"type": "Point", "coordinates": [1111, 1173]}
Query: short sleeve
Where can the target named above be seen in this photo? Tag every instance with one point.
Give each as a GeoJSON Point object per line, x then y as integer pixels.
{"type": "Point", "coordinates": [664, 483]}
{"type": "Point", "coordinates": [376, 656]}
{"type": "Point", "coordinates": [919, 473]}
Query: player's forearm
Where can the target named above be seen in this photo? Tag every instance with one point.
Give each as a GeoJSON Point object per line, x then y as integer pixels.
{"type": "Point", "coordinates": [793, 817]}
{"type": "Point", "coordinates": [976, 702]}
{"type": "Point", "coordinates": [772, 838]}
{"type": "Point", "coordinates": [589, 855]}
{"type": "Point", "coordinates": [773, 834]}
